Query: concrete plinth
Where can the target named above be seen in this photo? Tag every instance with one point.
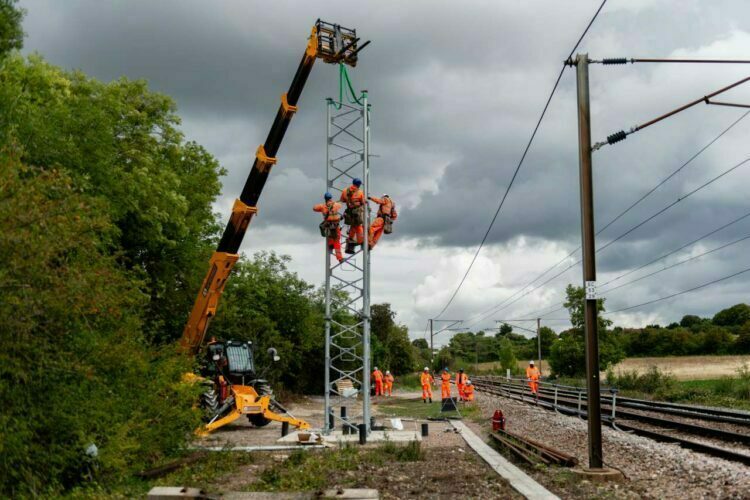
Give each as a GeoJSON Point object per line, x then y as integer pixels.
{"type": "Point", "coordinates": [373, 437]}
{"type": "Point", "coordinates": [603, 475]}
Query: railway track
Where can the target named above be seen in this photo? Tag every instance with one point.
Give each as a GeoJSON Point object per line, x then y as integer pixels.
{"type": "Point", "coordinates": [561, 400]}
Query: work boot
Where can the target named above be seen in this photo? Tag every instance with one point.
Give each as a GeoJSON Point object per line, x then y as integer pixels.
{"type": "Point", "coordinates": [430, 400]}
{"type": "Point", "coordinates": [424, 401]}
{"type": "Point", "coordinates": [349, 248]}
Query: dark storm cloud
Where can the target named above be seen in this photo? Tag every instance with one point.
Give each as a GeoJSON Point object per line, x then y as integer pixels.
{"type": "Point", "coordinates": [456, 90]}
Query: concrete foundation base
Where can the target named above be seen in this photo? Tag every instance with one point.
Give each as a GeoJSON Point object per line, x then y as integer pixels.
{"type": "Point", "coordinates": [374, 437]}
{"type": "Point", "coordinates": [602, 475]}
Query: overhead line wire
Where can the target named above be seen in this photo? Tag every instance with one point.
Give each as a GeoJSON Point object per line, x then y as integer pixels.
{"type": "Point", "coordinates": [622, 235]}
{"type": "Point", "coordinates": [680, 293]}
{"type": "Point", "coordinates": [619, 216]}
{"type": "Point", "coordinates": [520, 163]}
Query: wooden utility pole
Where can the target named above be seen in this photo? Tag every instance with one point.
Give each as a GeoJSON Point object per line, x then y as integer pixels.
{"type": "Point", "coordinates": [589, 263]}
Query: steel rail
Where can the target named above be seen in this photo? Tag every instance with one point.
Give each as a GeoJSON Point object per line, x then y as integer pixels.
{"type": "Point", "coordinates": [656, 436]}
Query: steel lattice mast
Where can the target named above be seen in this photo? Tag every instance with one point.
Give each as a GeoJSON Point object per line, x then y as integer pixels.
{"type": "Point", "coordinates": [347, 284]}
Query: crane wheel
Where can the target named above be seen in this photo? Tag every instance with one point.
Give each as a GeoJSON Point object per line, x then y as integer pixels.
{"type": "Point", "coordinates": [210, 403]}
{"type": "Point", "coordinates": [257, 419]}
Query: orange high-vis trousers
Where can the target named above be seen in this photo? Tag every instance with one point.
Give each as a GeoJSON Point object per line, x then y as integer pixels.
{"type": "Point", "coordinates": [534, 385]}
{"type": "Point", "coordinates": [426, 391]}
{"type": "Point", "coordinates": [378, 387]}
{"type": "Point", "coordinates": [334, 245]}
{"type": "Point", "coordinates": [376, 231]}
{"type": "Point", "coordinates": [445, 390]}
{"type": "Point", "coordinates": [388, 389]}
{"type": "Point", "coordinates": [356, 234]}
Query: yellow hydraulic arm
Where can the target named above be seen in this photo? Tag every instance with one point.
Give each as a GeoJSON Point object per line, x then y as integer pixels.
{"type": "Point", "coordinates": [333, 44]}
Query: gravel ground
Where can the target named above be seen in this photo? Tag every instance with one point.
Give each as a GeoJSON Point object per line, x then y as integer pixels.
{"type": "Point", "coordinates": [653, 470]}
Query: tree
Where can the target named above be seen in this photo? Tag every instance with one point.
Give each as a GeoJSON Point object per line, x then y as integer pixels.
{"type": "Point", "coordinates": [391, 347]}
{"type": "Point", "coordinates": [548, 338]}
{"type": "Point", "coordinates": [271, 306]}
{"type": "Point", "coordinates": [689, 320]}
{"type": "Point", "coordinates": [505, 329]}
{"type": "Point", "coordinates": [11, 32]}
{"type": "Point", "coordinates": [120, 143]}
{"type": "Point", "coordinates": [742, 344]}
{"type": "Point", "coordinates": [508, 360]}
{"type": "Point", "coordinates": [736, 315]}
{"type": "Point", "coordinates": [74, 366]}
{"type": "Point", "coordinates": [567, 355]}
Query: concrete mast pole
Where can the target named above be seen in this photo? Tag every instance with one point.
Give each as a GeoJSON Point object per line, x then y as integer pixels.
{"type": "Point", "coordinates": [589, 263]}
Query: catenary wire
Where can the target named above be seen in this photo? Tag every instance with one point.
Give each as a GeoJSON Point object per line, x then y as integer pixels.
{"type": "Point", "coordinates": [520, 163]}
{"type": "Point", "coordinates": [619, 216]}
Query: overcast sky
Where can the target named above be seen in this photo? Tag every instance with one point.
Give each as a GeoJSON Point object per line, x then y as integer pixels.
{"type": "Point", "coordinates": [456, 89]}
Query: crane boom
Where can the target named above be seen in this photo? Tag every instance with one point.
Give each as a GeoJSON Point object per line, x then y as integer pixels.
{"type": "Point", "coordinates": [330, 42]}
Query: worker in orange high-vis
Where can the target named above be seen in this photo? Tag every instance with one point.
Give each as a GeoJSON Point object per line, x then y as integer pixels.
{"type": "Point", "coordinates": [383, 223]}
{"type": "Point", "coordinates": [377, 376]}
{"type": "Point", "coordinates": [354, 215]}
{"type": "Point", "coordinates": [427, 380]}
{"type": "Point", "coordinates": [532, 377]}
{"type": "Point", "coordinates": [388, 381]}
{"type": "Point", "coordinates": [461, 379]}
{"type": "Point", "coordinates": [468, 394]}
{"type": "Point", "coordinates": [330, 227]}
{"type": "Point", "coordinates": [445, 385]}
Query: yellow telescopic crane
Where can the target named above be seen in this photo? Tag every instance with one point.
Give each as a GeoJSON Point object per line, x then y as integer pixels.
{"type": "Point", "coordinates": [229, 397]}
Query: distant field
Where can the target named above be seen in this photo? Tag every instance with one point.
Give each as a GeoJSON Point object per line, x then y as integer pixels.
{"type": "Point", "coordinates": [688, 367]}
{"type": "Point", "coordinates": [682, 367]}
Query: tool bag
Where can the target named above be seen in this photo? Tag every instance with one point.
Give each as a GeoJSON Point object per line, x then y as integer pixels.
{"type": "Point", "coordinates": [388, 220]}
{"type": "Point", "coordinates": [354, 216]}
{"type": "Point", "coordinates": [387, 224]}
{"type": "Point", "coordinates": [328, 228]}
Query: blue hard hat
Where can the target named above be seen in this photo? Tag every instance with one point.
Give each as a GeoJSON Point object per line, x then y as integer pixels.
{"type": "Point", "coordinates": [328, 196]}
{"type": "Point", "coordinates": [357, 182]}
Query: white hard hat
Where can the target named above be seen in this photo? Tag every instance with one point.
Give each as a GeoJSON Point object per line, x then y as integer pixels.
{"type": "Point", "coordinates": [387, 372]}
{"type": "Point", "coordinates": [385, 196]}
{"type": "Point", "coordinates": [426, 369]}
{"type": "Point", "coordinates": [531, 362]}
{"type": "Point", "coordinates": [377, 367]}
{"type": "Point", "coordinates": [468, 382]}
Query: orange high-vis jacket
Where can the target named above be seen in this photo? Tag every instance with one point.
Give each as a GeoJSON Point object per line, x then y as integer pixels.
{"type": "Point", "coordinates": [426, 378]}
{"type": "Point", "coordinates": [461, 379]}
{"type": "Point", "coordinates": [330, 210]}
{"type": "Point", "coordinates": [469, 392]}
{"type": "Point", "coordinates": [389, 379]}
{"type": "Point", "coordinates": [387, 207]}
{"type": "Point", "coordinates": [445, 377]}
{"type": "Point", "coordinates": [377, 375]}
{"type": "Point", "coordinates": [353, 196]}
{"type": "Point", "coordinates": [532, 373]}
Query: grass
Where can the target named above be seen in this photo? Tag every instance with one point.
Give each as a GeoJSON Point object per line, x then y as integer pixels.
{"type": "Point", "coordinates": [310, 470]}
{"type": "Point", "coordinates": [409, 381]}
{"type": "Point", "coordinates": [415, 408]}
{"type": "Point", "coordinates": [201, 474]}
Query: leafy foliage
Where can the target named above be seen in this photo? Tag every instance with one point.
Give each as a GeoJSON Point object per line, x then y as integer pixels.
{"type": "Point", "coordinates": [567, 355]}
{"type": "Point", "coordinates": [119, 142]}
{"type": "Point", "coordinates": [391, 349]}
{"type": "Point", "coordinates": [74, 366]}
{"type": "Point", "coordinates": [11, 32]}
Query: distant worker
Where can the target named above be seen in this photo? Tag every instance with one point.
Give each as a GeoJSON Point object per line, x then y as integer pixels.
{"type": "Point", "coordinates": [427, 380]}
{"type": "Point", "coordinates": [532, 376]}
{"type": "Point", "coordinates": [461, 379]}
{"type": "Point", "coordinates": [383, 223]}
{"type": "Point", "coordinates": [445, 386]}
{"type": "Point", "coordinates": [468, 394]}
{"type": "Point", "coordinates": [388, 383]}
{"type": "Point", "coordinates": [330, 227]}
{"type": "Point", "coordinates": [354, 215]}
{"type": "Point", "coordinates": [377, 376]}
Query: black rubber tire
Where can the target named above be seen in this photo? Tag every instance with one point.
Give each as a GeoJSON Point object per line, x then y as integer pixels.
{"type": "Point", "coordinates": [258, 420]}
{"type": "Point", "coordinates": [209, 403]}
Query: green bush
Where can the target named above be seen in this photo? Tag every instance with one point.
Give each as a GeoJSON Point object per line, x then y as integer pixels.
{"type": "Point", "coordinates": [653, 381]}
{"type": "Point", "coordinates": [75, 369]}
